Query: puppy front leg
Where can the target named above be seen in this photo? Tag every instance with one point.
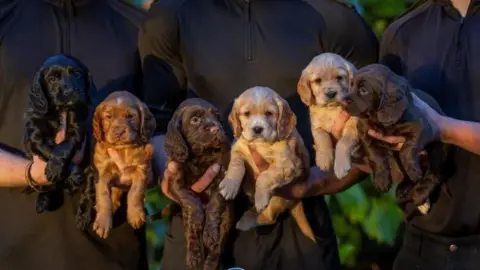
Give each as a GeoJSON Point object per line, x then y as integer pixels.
{"type": "Point", "coordinates": [378, 161]}
{"type": "Point", "coordinates": [343, 154]}
{"type": "Point", "coordinates": [104, 207]}
{"type": "Point", "coordinates": [135, 197]}
{"type": "Point", "coordinates": [409, 155]}
{"type": "Point", "coordinates": [323, 149]}
{"type": "Point", "coordinates": [232, 182]}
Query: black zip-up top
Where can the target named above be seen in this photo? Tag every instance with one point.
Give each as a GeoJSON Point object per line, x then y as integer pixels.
{"type": "Point", "coordinates": [102, 34]}
{"type": "Point", "coordinates": [439, 52]}
{"type": "Point", "coordinates": [219, 48]}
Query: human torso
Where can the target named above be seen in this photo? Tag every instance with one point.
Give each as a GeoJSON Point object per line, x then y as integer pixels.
{"type": "Point", "coordinates": [439, 55]}
{"type": "Point", "coordinates": [103, 36]}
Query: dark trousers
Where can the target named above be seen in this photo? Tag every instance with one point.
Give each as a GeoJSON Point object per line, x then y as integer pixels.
{"type": "Point", "coordinates": [425, 251]}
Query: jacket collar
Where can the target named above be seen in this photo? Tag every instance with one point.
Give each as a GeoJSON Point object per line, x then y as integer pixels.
{"type": "Point", "coordinates": [447, 4]}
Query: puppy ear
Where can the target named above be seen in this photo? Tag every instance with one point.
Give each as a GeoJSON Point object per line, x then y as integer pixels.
{"type": "Point", "coordinates": [394, 101]}
{"type": "Point", "coordinates": [235, 121]}
{"type": "Point", "coordinates": [351, 73]}
{"type": "Point", "coordinates": [97, 123]}
{"type": "Point", "coordinates": [175, 145]}
{"type": "Point", "coordinates": [37, 98]}
{"type": "Point", "coordinates": [286, 119]}
{"type": "Point", "coordinates": [147, 122]}
{"type": "Point", "coordinates": [304, 90]}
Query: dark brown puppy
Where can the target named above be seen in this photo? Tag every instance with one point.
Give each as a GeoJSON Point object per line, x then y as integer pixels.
{"type": "Point", "coordinates": [195, 139]}
{"type": "Point", "coordinates": [384, 102]}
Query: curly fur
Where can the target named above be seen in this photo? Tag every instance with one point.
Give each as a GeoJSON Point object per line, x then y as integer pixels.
{"type": "Point", "coordinates": [62, 85]}
{"type": "Point", "coordinates": [383, 101]}
{"type": "Point", "coordinates": [196, 140]}
{"type": "Point", "coordinates": [123, 123]}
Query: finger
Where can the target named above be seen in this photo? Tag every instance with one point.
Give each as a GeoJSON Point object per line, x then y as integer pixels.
{"type": "Point", "coordinates": [164, 185]}
{"type": "Point", "coordinates": [60, 136]}
{"type": "Point", "coordinates": [206, 179]}
{"type": "Point", "coordinates": [259, 161]}
{"type": "Point", "coordinates": [173, 167]}
{"type": "Point", "coordinates": [339, 124]}
{"type": "Point", "coordinates": [389, 139]}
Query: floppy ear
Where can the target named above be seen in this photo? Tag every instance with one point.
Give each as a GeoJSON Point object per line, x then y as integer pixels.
{"type": "Point", "coordinates": [394, 101]}
{"type": "Point", "coordinates": [235, 121]}
{"type": "Point", "coordinates": [175, 145]}
{"type": "Point", "coordinates": [147, 122]}
{"type": "Point", "coordinates": [351, 73]}
{"type": "Point", "coordinates": [286, 119]}
{"type": "Point", "coordinates": [304, 90]}
{"type": "Point", "coordinates": [37, 97]}
{"type": "Point", "coordinates": [97, 123]}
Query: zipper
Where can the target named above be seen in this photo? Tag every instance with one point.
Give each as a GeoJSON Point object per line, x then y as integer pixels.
{"type": "Point", "coordinates": [68, 14]}
{"type": "Point", "coordinates": [458, 43]}
{"type": "Point", "coordinates": [248, 32]}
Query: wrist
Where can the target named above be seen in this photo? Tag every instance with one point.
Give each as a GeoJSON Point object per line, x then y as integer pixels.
{"type": "Point", "coordinates": [444, 125]}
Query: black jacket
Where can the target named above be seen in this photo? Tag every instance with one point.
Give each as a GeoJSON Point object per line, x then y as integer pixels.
{"type": "Point", "coordinates": [439, 52]}
{"type": "Point", "coordinates": [103, 35]}
{"type": "Point", "coordinates": [216, 49]}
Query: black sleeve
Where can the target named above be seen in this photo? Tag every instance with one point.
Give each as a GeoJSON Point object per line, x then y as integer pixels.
{"type": "Point", "coordinates": [390, 50]}
{"type": "Point", "coordinates": [164, 81]}
{"type": "Point", "coordinates": [346, 33]}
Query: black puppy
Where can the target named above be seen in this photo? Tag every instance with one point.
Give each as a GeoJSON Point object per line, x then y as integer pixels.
{"type": "Point", "coordinates": [383, 101]}
{"type": "Point", "coordinates": [61, 86]}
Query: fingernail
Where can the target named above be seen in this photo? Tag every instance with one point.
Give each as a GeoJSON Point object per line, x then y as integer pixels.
{"type": "Point", "coordinates": [216, 168]}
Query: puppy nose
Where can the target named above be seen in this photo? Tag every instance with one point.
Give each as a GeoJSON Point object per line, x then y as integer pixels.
{"type": "Point", "coordinates": [331, 93]}
{"type": "Point", "coordinates": [213, 129]}
{"type": "Point", "coordinates": [119, 131]}
{"type": "Point", "coordinates": [257, 130]}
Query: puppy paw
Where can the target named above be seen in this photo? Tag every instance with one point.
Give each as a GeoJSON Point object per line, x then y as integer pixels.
{"type": "Point", "coordinates": [424, 208]}
{"type": "Point", "coordinates": [136, 217]}
{"type": "Point", "coordinates": [102, 225]}
{"type": "Point", "coordinates": [262, 198]}
{"type": "Point", "coordinates": [229, 188]}
{"type": "Point", "coordinates": [247, 221]}
{"type": "Point", "coordinates": [342, 166]}
{"type": "Point", "coordinates": [324, 160]}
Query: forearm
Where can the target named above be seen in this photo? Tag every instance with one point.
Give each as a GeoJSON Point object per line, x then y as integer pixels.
{"type": "Point", "coordinates": [329, 184]}
{"type": "Point", "coordinates": [463, 134]}
{"type": "Point", "coordinates": [12, 170]}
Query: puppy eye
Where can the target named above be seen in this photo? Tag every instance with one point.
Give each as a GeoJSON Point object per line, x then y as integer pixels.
{"type": "Point", "coordinates": [77, 74]}
{"type": "Point", "coordinates": [52, 79]}
{"type": "Point", "coordinates": [317, 81]}
{"type": "Point", "coordinates": [339, 78]}
{"type": "Point", "coordinates": [362, 90]}
{"type": "Point", "coordinates": [195, 120]}
{"type": "Point", "coordinates": [108, 116]}
{"type": "Point", "coordinates": [268, 113]}
{"type": "Point", "coordinates": [246, 114]}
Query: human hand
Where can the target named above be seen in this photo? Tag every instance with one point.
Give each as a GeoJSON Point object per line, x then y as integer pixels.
{"type": "Point", "coordinates": [37, 170]}
{"type": "Point", "coordinates": [173, 172]}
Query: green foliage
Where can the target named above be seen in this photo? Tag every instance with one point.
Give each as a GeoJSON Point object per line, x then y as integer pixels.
{"type": "Point", "coordinates": [358, 209]}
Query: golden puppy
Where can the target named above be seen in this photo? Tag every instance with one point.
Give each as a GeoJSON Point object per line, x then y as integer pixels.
{"type": "Point", "coordinates": [262, 120]}
{"type": "Point", "coordinates": [322, 86]}
{"type": "Point", "coordinates": [124, 123]}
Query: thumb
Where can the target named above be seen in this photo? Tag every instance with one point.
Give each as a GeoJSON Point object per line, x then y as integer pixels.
{"type": "Point", "coordinates": [206, 179]}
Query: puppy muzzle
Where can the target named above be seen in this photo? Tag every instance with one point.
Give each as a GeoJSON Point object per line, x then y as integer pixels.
{"type": "Point", "coordinates": [355, 106]}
